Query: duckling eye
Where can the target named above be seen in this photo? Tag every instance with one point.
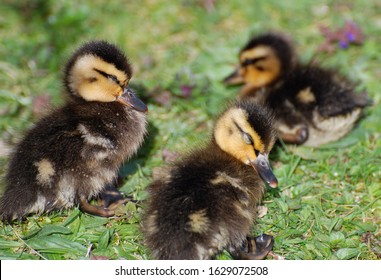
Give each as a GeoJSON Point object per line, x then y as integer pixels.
{"type": "Point", "coordinates": [113, 78]}
{"type": "Point", "coordinates": [247, 62]}
{"type": "Point", "coordinates": [247, 138]}
{"type": "Point", "coordinates": [109, 76]}
{"type": "Point", "coordinates": [250, 61]}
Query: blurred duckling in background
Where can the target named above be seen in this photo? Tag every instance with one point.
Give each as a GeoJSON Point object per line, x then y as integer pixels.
{"type": "Point", "coordinates": [312, 105]}
{"type": "Point", "coordinates": [73, 154]}
{"type": "Point", "coordinates": [207, 201]}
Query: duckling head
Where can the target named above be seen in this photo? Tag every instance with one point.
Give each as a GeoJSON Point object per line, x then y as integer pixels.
{"type": "Point", "coordinates": [245, 131]}
{"type": "Point", "coordinates": [99, 71]}
{"type": "Point", "coordinates": [262, 61]}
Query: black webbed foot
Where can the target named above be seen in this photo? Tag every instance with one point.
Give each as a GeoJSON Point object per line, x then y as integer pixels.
{"type": "Point", "coordinates": [111, 198]}
{"type": "Point", "coordinates": [256, 248]}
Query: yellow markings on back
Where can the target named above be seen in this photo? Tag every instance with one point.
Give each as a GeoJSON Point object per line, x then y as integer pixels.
{"type": "Point", "coordinates": [93, 86]}
{"type": "Point", "coordinates": [229, 137]}
{"type": "Point", "coordinates": [45, 171]}
{"type": "Point", "coordinates": [94, 140]}
{"type": "Point", "coordinates": [222, 178]}
{"type": "Point", "coordinates": [243, 211]}
{"type": "Point", "coordinates": [271, 66]}
{"type": "Point", "coordinates": [306, 96]}
{"type": "Point", "coordinates": [198, 221]}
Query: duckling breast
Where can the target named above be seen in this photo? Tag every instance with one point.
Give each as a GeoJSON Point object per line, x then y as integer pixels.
{"type": "Point", "coordinates": [329, 129]}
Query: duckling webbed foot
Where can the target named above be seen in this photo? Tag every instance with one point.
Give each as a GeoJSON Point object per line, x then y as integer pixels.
{"type": "Point", "coordinates": [255, 248]}
{"type": "Point", "coordinates": [111, 198]}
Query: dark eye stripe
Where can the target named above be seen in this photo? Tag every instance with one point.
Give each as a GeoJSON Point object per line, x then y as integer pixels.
{"type": "Point", "coordinates": [247, 62]}
{"type": "Point", "coordinates": [239, 128]}
{"type": "Point", "coordinates": [109, 76]}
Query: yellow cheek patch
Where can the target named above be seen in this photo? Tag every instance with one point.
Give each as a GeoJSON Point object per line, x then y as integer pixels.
{"type": "Point", "coordinates": [90, 84]}
{"type": "Point", "coordinates": [259, 78]}
{"type": "Point", "coordinates": [87, 64]}
{"type": "Point", "coordinates": [245, 154]}
{"type": "Point", "coordinates": [270, 64]}
{"type": "Point", "coordinates": [229, 137]}
{"type": "Point", "coordinates": [101, 90]}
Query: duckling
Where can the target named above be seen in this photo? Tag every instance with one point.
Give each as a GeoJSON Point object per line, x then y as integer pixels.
{"type": "Point", "coordinates": [71, 155]}
{"type": "Point", "coordinates": [207, 201]}
{"type": "Point", "coordinates": [313, 105]}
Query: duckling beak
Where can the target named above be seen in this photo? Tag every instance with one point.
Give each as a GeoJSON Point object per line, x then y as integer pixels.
{"type": "Point", "coordinates": [262, 165]}
{"type": "Point", "coordinates": [130, 99]}
{"type": "Point", "coordinates": [234, 78]}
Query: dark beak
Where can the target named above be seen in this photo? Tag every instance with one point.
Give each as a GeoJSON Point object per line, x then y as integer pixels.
{"type": "Point", "coordinates": [130, 99]}
{"type": "Point", "coordinates": [234, 78]}
{"type": "Point", "coordinates": [262, 165]}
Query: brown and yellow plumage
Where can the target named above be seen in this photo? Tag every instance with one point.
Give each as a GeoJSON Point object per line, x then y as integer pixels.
{"type": "Point", "coordinates": [207, 201]}
{"type": "Point", "coordinates": [72, 154]}
{"type": "Point", "coordinates": [312, 105]}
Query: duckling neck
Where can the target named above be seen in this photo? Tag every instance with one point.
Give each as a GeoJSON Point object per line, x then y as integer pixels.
{"type": "Point", "coordinates": [224, 163]}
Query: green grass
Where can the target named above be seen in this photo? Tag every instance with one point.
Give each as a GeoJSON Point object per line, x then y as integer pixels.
{"type": "Point", "coordinates": [328, 204]}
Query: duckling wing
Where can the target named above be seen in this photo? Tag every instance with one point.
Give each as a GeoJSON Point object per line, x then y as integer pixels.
{"type": "Point", "coordinates": [311, 87]}
{"type": "Point", "coordinates": [341, 101]}
{"type": "Point", "coordinates": [56, 158]}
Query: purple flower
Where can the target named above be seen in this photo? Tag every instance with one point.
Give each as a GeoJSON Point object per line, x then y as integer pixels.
{"type": "Point", "coordinates": [343, 44]}
{"type": "Point", "coordinates": [351, 36]}
{"type": "Point", "coordinates": [186, 91]}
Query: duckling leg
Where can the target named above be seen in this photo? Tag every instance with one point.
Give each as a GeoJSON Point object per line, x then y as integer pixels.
{"type": "Point", "coordinates": [298, 137]}
{"type": "Point", "coordinates": [256, 248]}
{"type": "Point", "coordinates": [85, 206]}
{"type": "Point", "coordinates": [111, 198]}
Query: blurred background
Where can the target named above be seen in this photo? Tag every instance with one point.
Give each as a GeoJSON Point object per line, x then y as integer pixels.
{"type": "Point", "coordinates": [181, 51]}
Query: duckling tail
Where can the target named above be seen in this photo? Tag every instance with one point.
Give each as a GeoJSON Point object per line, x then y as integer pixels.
{"type": "Point", "coordinates": [363, 99]}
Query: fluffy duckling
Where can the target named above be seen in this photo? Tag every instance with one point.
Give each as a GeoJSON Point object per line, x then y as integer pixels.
{"type": "Point", "coordinates": [72, 155]}
{"type": "Point", "coordinates": [207, 201]}
{"type": "Point", "coordinates": [313, 106]}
